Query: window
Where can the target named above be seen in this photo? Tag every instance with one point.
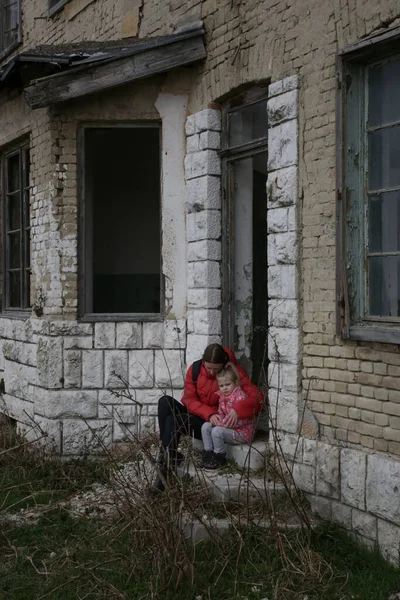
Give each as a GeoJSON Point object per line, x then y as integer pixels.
{"type": "Point", "coordinates": [121, 240]}
{"type": "Point", "coordinates": [244, 216]}
{"type": "Point", "coordinates": [9, 25]}
{"type": "Point", "coordinates": [16, 230]}
{"type": "Point", "coordinates": [369, 206]}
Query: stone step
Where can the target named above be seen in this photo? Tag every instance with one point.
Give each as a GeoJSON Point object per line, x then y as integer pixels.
{"type": "Point", "coordinates": [239, 488]}
{"type": "Point", "coordinates": [248, 457]}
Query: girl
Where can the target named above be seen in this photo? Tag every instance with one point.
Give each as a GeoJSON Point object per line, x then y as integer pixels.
{"type": "Point", "coordinates": [226, 426]}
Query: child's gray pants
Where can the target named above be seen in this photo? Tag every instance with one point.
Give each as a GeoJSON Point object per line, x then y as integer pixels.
{"type": "Point", "coordinates": [214, 437]}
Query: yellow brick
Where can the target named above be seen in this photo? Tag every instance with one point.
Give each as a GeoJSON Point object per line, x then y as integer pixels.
{"type": "Point", "coordinates": [369, 404]}
{"type": "Point", "coordinates": [381, 445]}
{"type": "Point", "coordinates": [391, 434]}
{"type": "Point", "coordinates": [368, 429]}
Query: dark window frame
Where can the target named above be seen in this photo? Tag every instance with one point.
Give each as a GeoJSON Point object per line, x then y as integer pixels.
{"type": "Point", "coordinates": [4, 51]}
{"type": "Point", "coordinates": [229, 155]}
{"type": "Point", "coordinates": [22, 149]}
{"type": "Point", "coordinates": [83, 314]}
{"type": "Point", "coordinates": [55, 7]}
{"type": "Point", "coordinates": [351, 323]}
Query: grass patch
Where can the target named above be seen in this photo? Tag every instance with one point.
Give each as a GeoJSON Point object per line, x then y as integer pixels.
{"type": "Point", "coordinates": [63, 558]}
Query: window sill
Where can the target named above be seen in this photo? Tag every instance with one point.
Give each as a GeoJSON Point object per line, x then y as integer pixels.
{"type": "Point", "coordinates": [21, 315]}
{"type": "Point", "coordinates": [139, 317]}
{"type": "Point", "coordinates": [388, 334]}
{"type": "Point", "coordinates": [56, 9]}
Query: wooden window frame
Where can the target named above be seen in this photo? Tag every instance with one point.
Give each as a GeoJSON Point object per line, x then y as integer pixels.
{"type": "Point", "coordinates": [229, 155]}
{"type": "Point", "coordinates": [24, 309]}
{"type": "Point", "coordinates": [8, 49]}
{"type": "Point", "coordinates": [83, 314]}
{"type": "Point", "coordinates": [351, 287]}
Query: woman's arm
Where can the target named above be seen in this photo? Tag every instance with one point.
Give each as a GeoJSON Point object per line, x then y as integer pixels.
{"type": "Point", "coordinates": [192, 400]}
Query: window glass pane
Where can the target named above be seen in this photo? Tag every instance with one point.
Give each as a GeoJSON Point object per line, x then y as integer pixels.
{"type": "Point", "coordinates": [10, 25]}
{"type": "Point", "coordinates": [14, 279]}
{"type": "Point", "coordinates": [384, 222]}
{"type": "Point", "coordinates": [14, 212]}
{"type": "Point", "coordinates": [27, 288]}
{"type": "Point", "coordinates": [384, 158]}
{"type": "Point", "coordinates": [248, 123]}
{"type": "Point", "coordinates": [14, 250]}
{"type": "Point", "coordinates": [384, 93]}
{"type": "Point", "coordinates": [13, 173]}
{"type": "Point", "coordinates": [122, 186]}
{"type": "Point", "coordinates": [384, 286]}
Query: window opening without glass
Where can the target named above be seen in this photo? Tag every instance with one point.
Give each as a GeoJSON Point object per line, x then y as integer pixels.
{"type": "Point", "coordinates": [121, 260]}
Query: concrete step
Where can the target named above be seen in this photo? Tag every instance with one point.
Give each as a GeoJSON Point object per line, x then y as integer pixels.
{"type": "Point", "coordinates": [243, 488]}
{"type": "Point", "coordinates": [251, 457]}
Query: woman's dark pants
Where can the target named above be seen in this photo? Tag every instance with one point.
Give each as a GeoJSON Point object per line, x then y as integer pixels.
{"type": "Point", "coordinates": [174, 420]}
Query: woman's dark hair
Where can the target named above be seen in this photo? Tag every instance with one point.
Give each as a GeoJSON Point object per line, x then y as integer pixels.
{"type": "Point", "coordinates": [215, 353]}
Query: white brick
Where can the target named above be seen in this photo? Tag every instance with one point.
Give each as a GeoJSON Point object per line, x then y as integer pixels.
{"type": "Point", "coordinates": [141, 368]}
{"type": "Point", "coordinates": [282, 188]}
{"type": "Point", "coordinates": [282, 281]}
{"type": "Point", "coordinates": [169, 368]}
{"type": "Point", "coordinates": [153, 335]}
{"type": "Point", "coordinates": [282, 107]}
{"type": "Point", "coordinates": [327, 471]}
{"type": "Point", "coordinates": [207, 322]}
{"type": "Point", "coordinates": [364, 524]}
{"type": "Point", "coordinates": [382, 488]}
{"type": "Point", "coordinates": [175, 333]}
{"type": "Point", "coordinates": [203, 225]}
{"type": "Point", "coordinates": [204, 162]}
{"type": "Point", "coordinates": [284, 410]}
{"type": "Point", "coordinates": [56, 404]}
{"type": "Point", "coordinates": [205, 274]}
{"type": "Point", "coordinates": [283, 313]}
{"type": "Point", "coordinates": [50, 362]}
{"type": "Point", "coordinates": [72, 369]}
{"type": "Point", "coordinates": [203, 193]}
{"type": "Point", "coordinates": [104, 335]}
{"type": "Point", "coordinates": [92, 369]}
{"type": "Point", "coordinates": [90, 437]}
{"type": "Point", "coordinates": [210, 140]}
{"type": "Point", "coordinates": [389, 541]}
{"type": "Point", "coordinates": [282, 145]}
{"type": "Point", "coordinates": [283, 345]}
{"type": "Point", "coordinates": [204, 298]}
{"type": "Point", "coordinates": [207, 119]}
{"type": "Point", "coordinates": [277, 220]}
{"type": "Point", "coordinates": [129, 335]}
{"type": "Point", "coordinates": [286, 248]}
{"type": "Point", "coordinates": [193, 143]}
{"type": "Point", "coordinates": [115, 363]}
{"type": "Point", "coordinates": [284, 376]}
{"type": "Point", "coordinates": [353, 470]}
{"type": "Point", "coordinates": [204, 250]}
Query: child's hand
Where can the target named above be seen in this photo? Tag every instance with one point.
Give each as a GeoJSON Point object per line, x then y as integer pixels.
{"type": "Point", "coordinates": [215, 420]}
{"type": "Point", "coordinates": [230, 421]}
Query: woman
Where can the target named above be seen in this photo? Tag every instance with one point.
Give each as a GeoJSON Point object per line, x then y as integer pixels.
{"type": "Point", "coordinates": [199, 404]}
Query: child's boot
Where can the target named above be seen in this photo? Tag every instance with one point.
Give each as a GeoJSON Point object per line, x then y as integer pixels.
{"type": "Point", "coordinates": [219, 459]}
{"type": "Point", "coordinates": [207, 461]}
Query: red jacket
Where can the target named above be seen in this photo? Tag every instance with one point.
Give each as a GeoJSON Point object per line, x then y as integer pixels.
{"type": "Point", "coordinates": [201, 398]}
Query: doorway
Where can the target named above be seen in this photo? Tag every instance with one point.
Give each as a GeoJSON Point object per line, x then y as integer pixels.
{"type": "Point", "coordinates": [245, 292]}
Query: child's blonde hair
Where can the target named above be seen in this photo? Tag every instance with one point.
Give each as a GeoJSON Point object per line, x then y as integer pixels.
{"type": "Point", "coordinates": [230, 371]}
